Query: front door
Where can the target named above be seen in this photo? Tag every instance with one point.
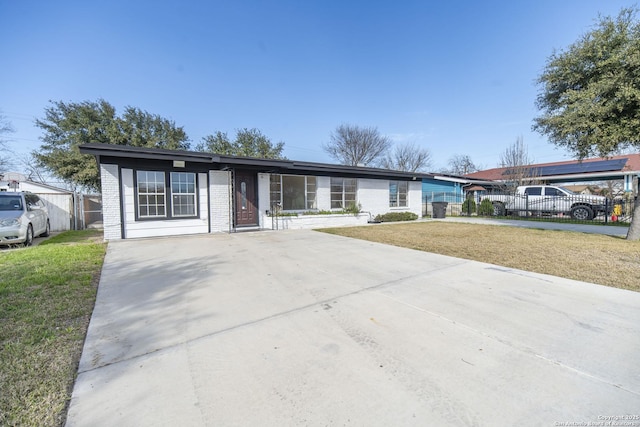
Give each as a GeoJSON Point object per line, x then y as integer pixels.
{"type": "Point", "coordinates": [246, 205]}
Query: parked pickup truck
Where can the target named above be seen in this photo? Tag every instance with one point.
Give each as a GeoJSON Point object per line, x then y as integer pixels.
{"type": "Point", "coordinates": [549, 200]}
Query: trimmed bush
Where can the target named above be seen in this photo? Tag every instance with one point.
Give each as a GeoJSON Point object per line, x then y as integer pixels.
{"type": "Point", "coordinates": [486, 208]}
{"type": "Point", "coordinates": [469, 207]}
{"type": "Point", "coordinates": [396, 216]}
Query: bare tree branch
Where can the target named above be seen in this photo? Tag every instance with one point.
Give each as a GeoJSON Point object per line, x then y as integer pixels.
{"type": "Point", "coordinates": [408, 158]}
{"type": "Point", "coordinates": [516, 160]}
{"type": "Point", "coordinates": [461, 164]}
{"type": "Point", "coordinates": [352, 145]}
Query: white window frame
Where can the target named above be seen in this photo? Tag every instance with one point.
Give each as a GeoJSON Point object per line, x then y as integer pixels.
{"type": "Point", "coordinates": [171, 198]}
{"type": "Point", "coordinates": [341, 196]}
{"type": "Point", "coordinates": [310, 191]}
{"type": "Point", "coordinates": [183, 193]}
{"type": "Point", "coordinates": [395, 198]}
{"type": "Point", "coordinates": [148, 194]}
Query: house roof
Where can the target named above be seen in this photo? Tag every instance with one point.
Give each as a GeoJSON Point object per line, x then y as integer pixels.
{"type": "Point", "coordinates": [614, 167]}
{"type": "Point", "coordinates": [110, 151]}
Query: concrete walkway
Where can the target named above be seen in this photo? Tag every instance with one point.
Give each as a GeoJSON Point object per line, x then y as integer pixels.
{"type": "Point", "coordinates": [303, 328]}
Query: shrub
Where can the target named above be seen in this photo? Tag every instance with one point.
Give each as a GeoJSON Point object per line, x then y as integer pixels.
{"type": "Point", "coordinates": [469, 206]}
{"type": "Point", "coordinates": [396, 216]}
{"type": "Point", "coordinates": [353, 208]}
{"type": "Point", "coordinates": [486, 208]}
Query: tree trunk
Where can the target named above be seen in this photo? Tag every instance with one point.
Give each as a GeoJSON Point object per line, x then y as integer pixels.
{"type": "Point", "coordinates": [634, 228]}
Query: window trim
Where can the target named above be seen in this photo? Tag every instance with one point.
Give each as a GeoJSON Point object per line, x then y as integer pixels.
{"type": "Point", "coordinates": [306, 192]}
{"type": "Point", "coordinates": [398, 193]}
{"type": "Point", "coordinates": [194, 194]}
{"type": "Point", "coordinates": [168, 195]}
{"type": "Point", "coordinates": [343, 192]}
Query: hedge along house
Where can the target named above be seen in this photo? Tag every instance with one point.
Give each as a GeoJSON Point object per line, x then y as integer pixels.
{"type": "Point", "coordinates": [149, 192]}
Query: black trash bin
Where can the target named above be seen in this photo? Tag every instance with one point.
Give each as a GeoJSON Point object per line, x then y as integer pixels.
{"type": "Point", "coordinates": [439, 209]}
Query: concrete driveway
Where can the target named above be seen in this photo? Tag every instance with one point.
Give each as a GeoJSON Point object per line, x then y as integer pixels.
{"type": "Point", "coordinates": [304, 328]}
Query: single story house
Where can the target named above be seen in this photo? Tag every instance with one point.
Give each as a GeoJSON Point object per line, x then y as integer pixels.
{"type": "Point", "coordinates": [156, 192]}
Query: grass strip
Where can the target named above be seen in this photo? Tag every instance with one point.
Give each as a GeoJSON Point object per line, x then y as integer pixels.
{"type": "Point", "coordinates": [47, 294]}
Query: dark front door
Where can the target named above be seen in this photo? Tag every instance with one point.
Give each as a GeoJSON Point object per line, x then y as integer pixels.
{"type": "Point", "coordinates": [246, 199]}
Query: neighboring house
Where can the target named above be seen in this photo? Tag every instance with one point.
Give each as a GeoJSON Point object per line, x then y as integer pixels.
{"type": "Point", "coordinates": [583, 189]}
{"type": "Point", "coordinates": [623, 167]}
{"type": "Point", "coordinates": [155, 192]}
{"type": "Point", "coordinates": [60, 203]}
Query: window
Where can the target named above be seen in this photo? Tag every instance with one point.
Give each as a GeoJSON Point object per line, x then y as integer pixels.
{"type": "Point", "coordinates": [293, 192]}
{"type": "Point", "coordinates": [550, 191]}
{"type": "Point", "coordinates": [343, 192]}
{"type": "Point", "coordinates": [183, 189]}
{"type": "Point", "coordinates": [151, 194]}
{"type": "Point", "coordinates": [152, 201]}
{"type": "Point", "coordinates": [398, 194]}
{"type": "Point", "coordinates": [533, 191]}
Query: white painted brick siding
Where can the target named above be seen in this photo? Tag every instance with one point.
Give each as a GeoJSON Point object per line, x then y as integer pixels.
{"type": "Point", "coordinates": [220, 188]}
{"type": "Point", "coordinates": [323, 193]}
{"type": "Point", "coordinates": [264, 200]}
{"type": "Point", "coordinates": [373, 195]}
{"type": "Point", "coordinates": [111, 218]}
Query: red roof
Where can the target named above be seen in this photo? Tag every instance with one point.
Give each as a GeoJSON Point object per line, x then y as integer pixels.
{"type": "Point", "coordinates": [497, 174]}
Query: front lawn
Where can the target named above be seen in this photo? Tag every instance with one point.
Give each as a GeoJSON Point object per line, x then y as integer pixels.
{"type": "Point", "coordinates": [47, 294]}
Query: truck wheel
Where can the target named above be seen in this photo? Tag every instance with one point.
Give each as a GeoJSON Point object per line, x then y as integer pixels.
{"type": "Point", "coordinates": [498, 209]}
{"type": "Point", "coordinates": [582, 213]}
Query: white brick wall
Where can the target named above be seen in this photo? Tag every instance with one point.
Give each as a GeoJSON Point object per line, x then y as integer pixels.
{"type": "Point", "coordinates": [264, 200]}
{"type": "Point", "coordinates": [323, 193]}
{"type": "Point", "coordinates": [220, 188]}
{"type": "Point", "coordinates": [110, 202]}
{"type": "Point", "coordinates": [415, 198]}
{"type": "Point", "coordinates": [373, 195]}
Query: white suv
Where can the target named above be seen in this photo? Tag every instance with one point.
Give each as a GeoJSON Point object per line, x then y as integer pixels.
{"type": "Point", "coordinates": [22, 216]}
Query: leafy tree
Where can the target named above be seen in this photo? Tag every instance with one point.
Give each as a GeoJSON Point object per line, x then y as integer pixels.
{"type": "Point", "coordinates": [353, 145]}
{"type": "Point", "coordinates": [407, 158]}
{"type": "Point", "coordinates": [248, 143]}
{"type": "Point", "coordinates": [461, 164]}
{"type": "Point", "coordinates": [67, 125]}
{"type": "Point", "coordinates": [590, 93]}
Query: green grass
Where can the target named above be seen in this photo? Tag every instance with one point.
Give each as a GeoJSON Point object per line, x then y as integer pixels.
{"type": "Point", "coordinates": [47, 294]}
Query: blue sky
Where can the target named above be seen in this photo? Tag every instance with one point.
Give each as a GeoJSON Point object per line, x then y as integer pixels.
{"type": "Point", "coordinates": [454, 77]}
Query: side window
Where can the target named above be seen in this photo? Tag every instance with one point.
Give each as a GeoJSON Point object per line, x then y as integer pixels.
{"type": "Point", "coordinates": [550, 191]}
{"type": "Point", "coordinates": [533, 191]}
{"type": "Point", "coordinates": [31, 201]}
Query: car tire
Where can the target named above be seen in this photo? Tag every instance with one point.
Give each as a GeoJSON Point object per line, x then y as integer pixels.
{"type": "Point", "coordinates": [498, 209]}
{"type": "Point", "coordinates": [28, 241]}
{"type": "Point", "coordinates": [582, 213]}
{"type": "Point", "coordinates": [47, 231]}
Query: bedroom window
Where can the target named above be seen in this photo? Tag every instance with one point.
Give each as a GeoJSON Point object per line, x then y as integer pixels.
{"type": "Point", "coordinates": [398, 194]}
{"type": "Point", "coordinates": [183, 194]}
{"type": "Point", "coordinates": [293, 192]}
{"type": "Point", "coordinates": [152, 199]}
{"type": "Point", "coordinates": [151, 194]}
{"type": "Point", "coordinates": [343, 192]}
